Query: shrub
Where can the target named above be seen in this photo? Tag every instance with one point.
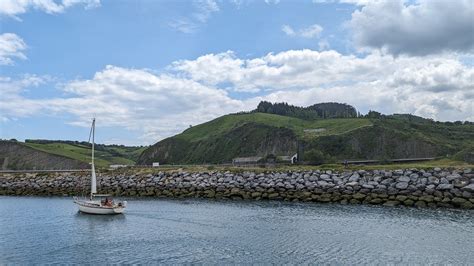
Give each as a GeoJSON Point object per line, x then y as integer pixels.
{"type": "Point", "coordinates": [314, 156]}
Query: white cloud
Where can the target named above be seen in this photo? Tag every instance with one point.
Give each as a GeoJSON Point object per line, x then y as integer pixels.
{"type": "Point", "coordinates": [183, 25]}
{"type": "Point", "coordinates": [189, 92]}
{"type": "Point", "coordinates": [377, 81]}
{"type": "Point", "coordinates": [288, 30]}
{"type": "Point", "coordinates": [12, 103]}
{"type": "Point", "coordinates": [420, 28]}
{"type": "Point", "coordinates": [203, 10]}
{"type": "Point", "coordinates": [312, 31]}
{"type": "Point", "coordinates": [309, 32]}
{"type": "Point", "coordinates": [158, 106]}
{"type": "Point", "coordinates": [237, 3]}
{"type": "Point", "coordinates": [11, 46]}
{"type": "Point", "coordinates": [357, 2]}
{"type": "Point", "coordinates": [272, 2]}
{"type": "Point", "coordinates": [16, 7]}
{"type": "Point", "coordinates": [296, 69]}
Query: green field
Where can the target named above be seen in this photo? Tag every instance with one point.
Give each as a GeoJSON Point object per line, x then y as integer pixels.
{"type": "Point", "coordinates": [113, 155]}
{"type": "Point", "coordinates": [228, 122]}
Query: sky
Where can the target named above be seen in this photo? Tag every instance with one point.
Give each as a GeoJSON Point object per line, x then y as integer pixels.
{"type": "Point", "coordinates": [150, 69]}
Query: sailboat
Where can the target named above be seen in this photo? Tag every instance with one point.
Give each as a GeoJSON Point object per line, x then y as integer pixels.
{"type": "Point", "coordinates": [98, 203]}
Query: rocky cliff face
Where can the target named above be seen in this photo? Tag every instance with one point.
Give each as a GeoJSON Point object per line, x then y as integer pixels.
{"type": "Point", "coordinates": [15, 156]}
{"type": "Point", "coordinates": [378, 143]}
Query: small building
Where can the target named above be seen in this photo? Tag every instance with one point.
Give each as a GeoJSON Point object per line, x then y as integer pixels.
{"type": "Point", "coordinates": [117, 166]}
{"type": "Point", "coordinates": [246, 160]}
{"type": "Point", "coordinates": [269, 159]}
{"type": "Point", "coordinates": [155, 164]}
{"type": "Point", "coordinates": [288, 159]}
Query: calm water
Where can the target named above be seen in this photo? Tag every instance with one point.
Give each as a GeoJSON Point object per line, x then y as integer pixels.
{"type": "Point", "coordinates": [49, 230]}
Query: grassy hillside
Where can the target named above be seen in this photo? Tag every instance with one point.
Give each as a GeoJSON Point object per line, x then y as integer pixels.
{"type": "Point", "coordinates": [247, 134]}
{"type": "Point", "coordinates": [17, 156]}
{"type": "Point", "coordinates": [260, 134]}
{"type": "Point", "coordinates": [228, 122]}
{"type": "Point", "coordinates": [105, 154]}
{"type": "Point", "coordinates": [390, 138]}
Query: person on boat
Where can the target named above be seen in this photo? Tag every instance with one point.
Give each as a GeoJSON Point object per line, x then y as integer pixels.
{"type": "Point", "coordinates": [108, 202]}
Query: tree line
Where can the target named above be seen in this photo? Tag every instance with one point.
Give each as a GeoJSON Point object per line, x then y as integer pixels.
{"type": "Point", "coordinates": [316, 111]}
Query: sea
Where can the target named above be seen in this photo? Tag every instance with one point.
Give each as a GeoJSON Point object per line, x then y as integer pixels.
{"type": "Point", "coordinates": [50, 230]}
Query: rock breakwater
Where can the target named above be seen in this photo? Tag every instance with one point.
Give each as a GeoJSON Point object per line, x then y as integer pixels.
{"type": "Point", "coordinates": [410, 187]}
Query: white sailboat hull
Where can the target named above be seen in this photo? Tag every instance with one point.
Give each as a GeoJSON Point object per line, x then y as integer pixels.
{"type": "Point", "coordinates": [92, 207]}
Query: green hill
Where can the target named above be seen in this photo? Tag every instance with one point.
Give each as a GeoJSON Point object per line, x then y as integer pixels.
{"type": "Point", "coordinates": [77, 153]}
{"type": "Point", "coordinates": [16, 155]}
{"type": "Point", "coordinates": [374, 136]}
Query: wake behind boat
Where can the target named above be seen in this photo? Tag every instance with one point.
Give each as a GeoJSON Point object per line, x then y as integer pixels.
{"type": "Point", "coordinates": [98, 203]}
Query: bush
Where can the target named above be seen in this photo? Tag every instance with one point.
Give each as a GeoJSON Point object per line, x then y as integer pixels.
{"type": "Point", "coordinates": [314, 156]}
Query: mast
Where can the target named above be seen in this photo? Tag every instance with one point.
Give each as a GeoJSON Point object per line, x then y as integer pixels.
{"type": "Point", "coordinates": [93, 177]}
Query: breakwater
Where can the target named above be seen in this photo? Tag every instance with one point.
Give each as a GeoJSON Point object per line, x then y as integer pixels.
{"type": "Point", "coordinates": [410, 187]}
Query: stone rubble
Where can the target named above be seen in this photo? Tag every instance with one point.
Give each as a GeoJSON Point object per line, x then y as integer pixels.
{"type": "Point", "coordinates": [410, 187]}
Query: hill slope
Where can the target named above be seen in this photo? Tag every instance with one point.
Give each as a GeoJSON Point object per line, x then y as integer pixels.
{"type": "Point", "coordinates": [240, 135]}
{"type": "Point", "coordinates": [57, 154]}
{"type": "Point", "coordinates": [261, 134]}
{"type": "Point", "coordinates": [17, 156]}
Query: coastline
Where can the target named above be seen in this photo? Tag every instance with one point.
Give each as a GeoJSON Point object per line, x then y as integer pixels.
{"type": "Point", "coordinates": [436, 187]}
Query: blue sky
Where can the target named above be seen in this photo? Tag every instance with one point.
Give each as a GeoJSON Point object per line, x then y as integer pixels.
{"type": "Point", "coordinates": [149, 69]}
{"type": "Point", "coordinates": [137, 34]}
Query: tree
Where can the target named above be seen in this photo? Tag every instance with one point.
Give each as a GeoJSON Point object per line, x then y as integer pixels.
{"type": "Point", "coordinates": [315, 156]}
{"type": "Point", "coordinates": [374, 114]}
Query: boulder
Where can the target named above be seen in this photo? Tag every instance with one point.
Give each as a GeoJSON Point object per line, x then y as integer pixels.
{"type": "Point", "coordinates": [458, 201]}
{"type": "Point", "coordinates": [420, 204]}
{"type": "Point", "coordinates": [359, 196]}
{"type": "Point", "coordinates": [354, 178]}
{"type": "Point", "coordinates": [401, 198]}
{"type": "Point", "coordinates": [273, 195]}
{"type": "Point", "coordinates": [469, 188]}
{"type": "Point", "coordinates": [453, 177]}
{"type": "Point", "coordinates": [403, 179]}
{"type": "Point", "coordinates": [467, 205]}
{"type": "Point", "coordinates": [392, 203]}
{"type": "Point", "coordinates": [401, 185]}
{"type": "Point", "coordinates": [467, 195]}
{"type": "Point", "coordinates": [376, 201]}
{"type": "Point", "coordinates": [444, 186]}
{"type": "Point", "coordinates": [433, 180]}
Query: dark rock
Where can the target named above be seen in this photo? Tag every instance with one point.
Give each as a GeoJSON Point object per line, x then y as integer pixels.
{"type": "Point", "coordinates": [469, 188]}
{"type": "Point", "coordinates": [403, 179]}
{"type": "Point", "coordinates": [401, 185]}
{"type": "Point", "coordinates": [359, 196]}
{"type": "Point", "coordinates": [392, 203]}
{"type": "Point", "coordinates": [420, 204]}
{"type": "Point", "coordinates": [444, 186]}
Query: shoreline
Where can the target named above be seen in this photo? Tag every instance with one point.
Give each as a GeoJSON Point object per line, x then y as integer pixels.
{"type": "Point", "coordinates": [445, 188]}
